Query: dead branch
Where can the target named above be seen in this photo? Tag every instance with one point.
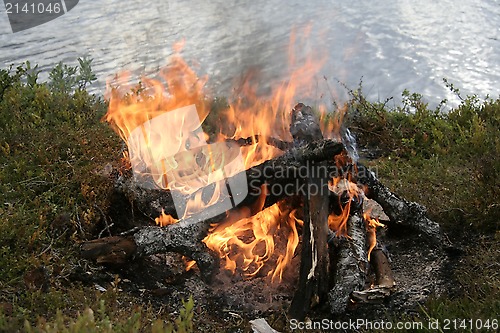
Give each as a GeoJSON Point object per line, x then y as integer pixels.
{"type": "Point", "coordinates": [281, 145]}
{"type": "Point", "coordinates": [384, 284]}
{"type": "Point", "coordinates": [382, 268]}
{"type": "Point", "coordinates": [399, 210]}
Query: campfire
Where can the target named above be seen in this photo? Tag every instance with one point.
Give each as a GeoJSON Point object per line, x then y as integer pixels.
{"type": "Point", "coordinates": [275, 181]}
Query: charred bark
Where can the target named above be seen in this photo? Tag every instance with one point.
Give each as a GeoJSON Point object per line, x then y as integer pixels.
{"type": "Point", "coordinates": [351, 265]}
{"type": "Point", "coordinates": [279, 171]}
{"type": "Point", "coordinates": [313, 275]}
{"type": "Point", "coordinates": [400, 211]}
{"type": "Point", "coordinates": [281, 145]}
{"type": "Point", "coordinates": [184, 237]}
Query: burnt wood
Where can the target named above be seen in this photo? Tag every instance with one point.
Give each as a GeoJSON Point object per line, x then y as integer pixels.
{"type": "Point", "coordinates": [351, 263]}
{"type": "Point", "coordinates": [186, 236]}
{"type": "Point", "coordinates": [280, 144]}
{"type": "Point", "coordinates": [314, 261]}
{"type": "Point", "coordinates": [400, 211]}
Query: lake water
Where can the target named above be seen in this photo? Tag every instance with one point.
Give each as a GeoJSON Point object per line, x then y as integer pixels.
{"type": "Point", "coordinates": [391, 45]}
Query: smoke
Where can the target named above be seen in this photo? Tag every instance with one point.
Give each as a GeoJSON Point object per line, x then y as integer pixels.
{"type": "Point", "coordinates": [349, 141]}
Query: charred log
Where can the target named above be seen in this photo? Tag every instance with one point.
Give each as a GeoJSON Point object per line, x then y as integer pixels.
{"type": "Point", "coordinates": [278, 172]}
{"type": "Point", "coordinates": [351, 265]}
{"type": "Point", "coordinates": [281, 145]}
{"type": "Point", "coordinates": [314, 265]}
{"type": "Point", "coordinates": [400, 211]}
{"type": "Point", "coordinates": [110, 250]}
{"type": "Point", "coordinates": [183, 237]}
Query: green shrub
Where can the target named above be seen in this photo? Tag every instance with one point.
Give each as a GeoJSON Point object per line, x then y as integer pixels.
{"type": "Point", "coordinates": [469, 133]}
{"type": "Point", "coordinates": [52, 148]}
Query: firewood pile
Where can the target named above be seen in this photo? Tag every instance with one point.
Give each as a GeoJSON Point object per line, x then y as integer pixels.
{"type": "Point", "coordinates": [335, 262]}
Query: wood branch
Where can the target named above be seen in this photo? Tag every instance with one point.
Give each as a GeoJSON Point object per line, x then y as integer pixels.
{"type": "Point", "coordinates": [278, 171]}
{"type": "Point", "coordinates": [314, 265]}
{"type": "Point", "coordinates": [384, 284]}
{"type": "Point", "coordinates": [350, 266]}
{"type": "Point", "coordinates": [184, 237]}
{"type": "Point", "coordinates": [399, 210]}
{"type": "Point", "coordinates": [382, 268]}
{"type": "Point", "coordinates": [109, 250]}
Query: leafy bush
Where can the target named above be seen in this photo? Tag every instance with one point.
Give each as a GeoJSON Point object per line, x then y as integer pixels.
{"type": "Point", "coordinates": [52, 148]}
{"type": "Point", "coordinates": [470, 132]}
{"type": "Point", "coordinates": [64, 78]}
{"type": "Point", "coordinates": [412, 121]}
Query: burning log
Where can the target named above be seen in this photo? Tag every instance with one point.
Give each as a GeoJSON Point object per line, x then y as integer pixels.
{"type": "Point", "coordinates": [351, 263]}
{"type": "Point", "coordinates": [399, 210]}
{"type": "Point", "coordinates": [314, 264]}
{"type": "Point", "coordinates": [281, 145]}
{"type": "Point", "coordinates": [151, 203]}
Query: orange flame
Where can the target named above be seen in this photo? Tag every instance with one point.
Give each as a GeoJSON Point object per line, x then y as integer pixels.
{"type": "Point", "coordinates": [338, 223]}
{"type": "Point", "coordinates": [228, 239]}
{"type": "Point", "coordinates": [339, 185]}
{"type": "Point", "coordinates": [293, 241]}
{"type": "Point", "coordinates": [246, 238]}
{"type": "Point", "coordinates": [371, 228]}
{"type": "Point", "coordinates": [130, 108]}
{"type": "Point", "coordinates": [332, 122]}
{"type": "Point", "coordinates": [163, 220]}
{"type": "Point", "coordinates": [254, 115]}
{"type": "Point", "coordinates": [188, 263]}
